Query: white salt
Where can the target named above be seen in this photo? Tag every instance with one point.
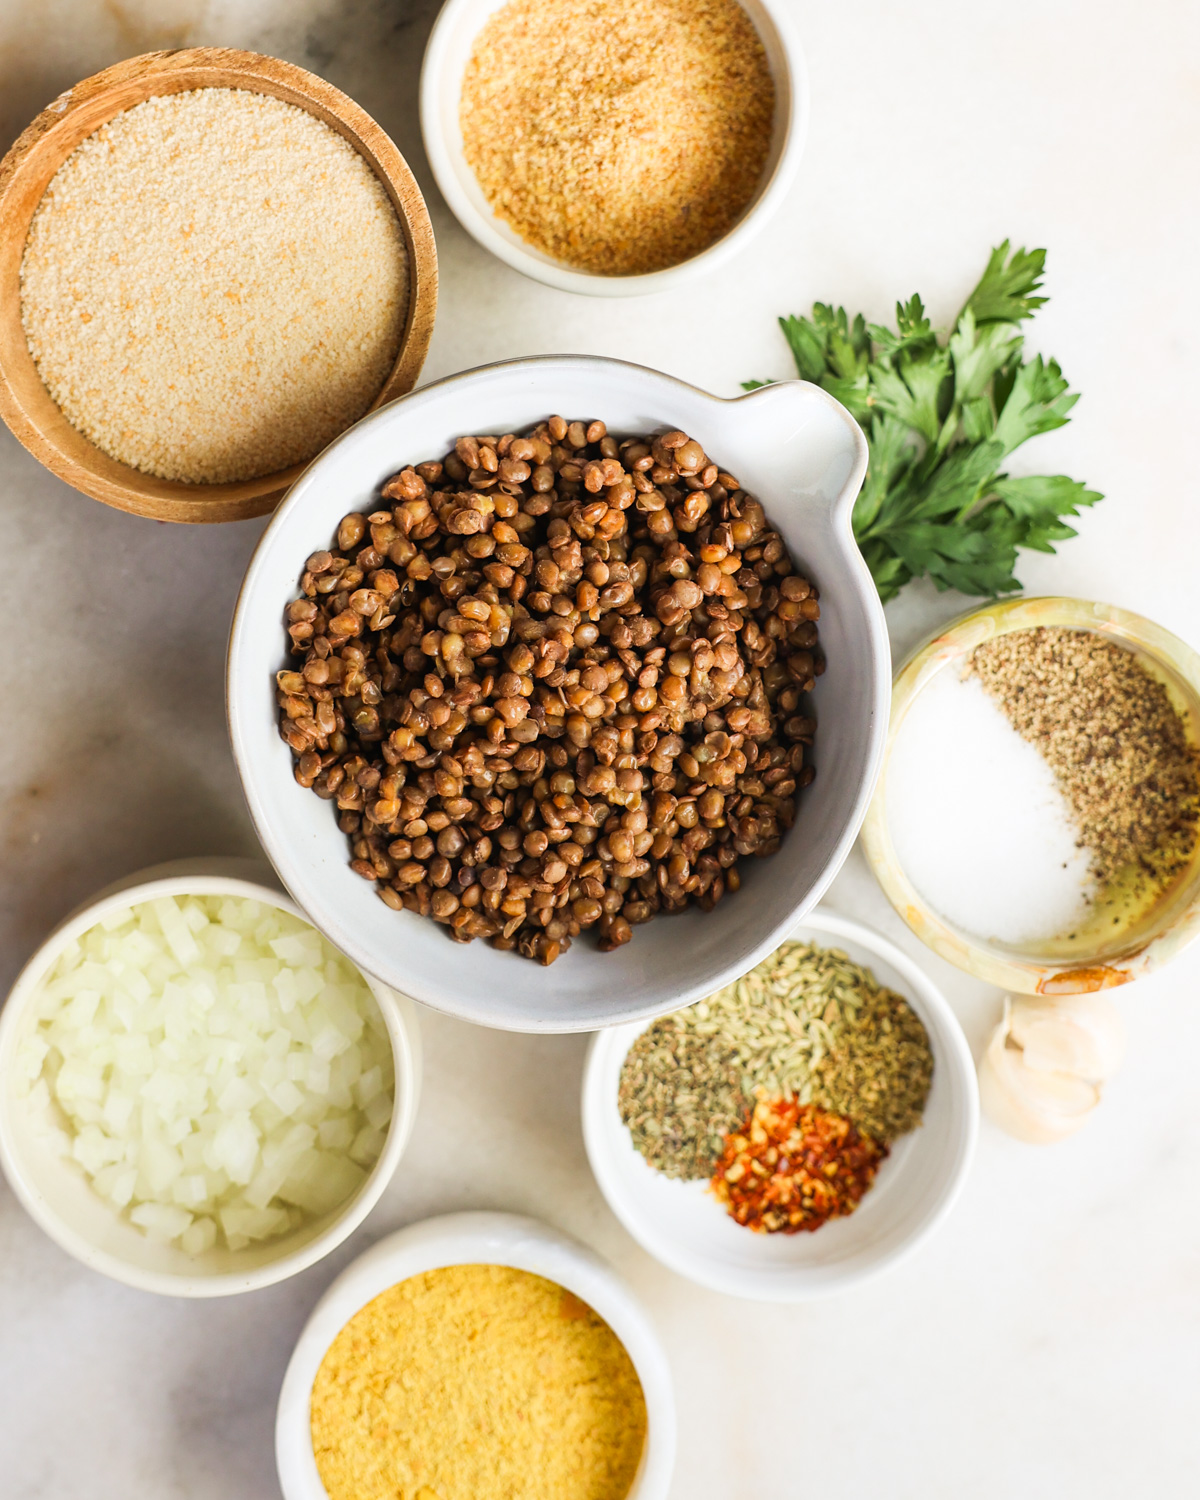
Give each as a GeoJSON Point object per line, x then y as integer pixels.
{"type": "Point", "coordinates": [978, 822]}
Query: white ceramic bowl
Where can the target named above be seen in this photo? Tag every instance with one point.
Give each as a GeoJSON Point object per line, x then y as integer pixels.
{"type": "Point", "coordinates": [446, 56]}
{"type": "Point", "coordinates": [86, 1225]}
{"type": "Point", "coordinates": [683, 1226]}
{"type": "Point", "coordinates": [475, 1239]}
{"type": "Point", "coordinates": [793, 447]}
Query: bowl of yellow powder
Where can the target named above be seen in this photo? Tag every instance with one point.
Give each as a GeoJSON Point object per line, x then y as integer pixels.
{"type": "Point", "coordinates": [614, 147]}
{"type": "Point", "coordinates": [477, 1356]}
{"type": "Point", "coordinates": [211, 264]}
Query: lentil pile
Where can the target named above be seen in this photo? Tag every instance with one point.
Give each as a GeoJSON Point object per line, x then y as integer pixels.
{"type": "Point", "coordinates": [214, 286]}
{"type": "Point", "coordinates": [619, 137]}
{"type": "Point", "coordinates": [554, 684]}
{"type": "Point", "coordinates": [1112, 737]}
{"type": "Point", "coordinates": [477, 1383]}
{"type": "Point", "coordinates": [806, 1024]}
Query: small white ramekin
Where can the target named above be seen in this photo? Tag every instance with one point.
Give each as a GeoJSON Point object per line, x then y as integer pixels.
{"type": "Point", "coordinates": [491, 1239]}
{"type": "Point", "coordinates": [685, 1228]}
{"type": "Point", "coordinates": [446, 56]}
{"type": "Point", "coordinates": [85, 1225]}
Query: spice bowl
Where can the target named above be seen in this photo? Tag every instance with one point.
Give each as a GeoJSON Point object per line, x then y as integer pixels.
{"type": "Point", "coordinates": [803, 457]}
{"type": "Point", "coordinates": [683, 1225]}
{"type": "Point", "coordinates": [25, 402]}
{"type": "Point", "coordinates": [446, 57]}
{"type": "Point", "coordinates": [87, 1226]}
{"type": "Point", "coordinates": [1126, 933]}
{"type": "Point", "coordinates": [495, 1239]}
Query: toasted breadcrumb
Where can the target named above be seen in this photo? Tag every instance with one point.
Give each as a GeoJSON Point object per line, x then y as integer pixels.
{"type": "Point", "coordinates": [621, 136]}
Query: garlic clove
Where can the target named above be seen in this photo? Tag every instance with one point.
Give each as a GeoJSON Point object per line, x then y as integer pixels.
{"type": "Point", "coordinates": [1079, 1034]}
{"type": "Point", "coordinates": [1034, 1105]}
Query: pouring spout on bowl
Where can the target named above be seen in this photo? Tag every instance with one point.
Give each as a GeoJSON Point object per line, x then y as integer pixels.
{"type": "Point", "coordinates": [793, 449]}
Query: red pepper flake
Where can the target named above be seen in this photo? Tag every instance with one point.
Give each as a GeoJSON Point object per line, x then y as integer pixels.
{"type": "Point", "coordinates": [793, 1166]}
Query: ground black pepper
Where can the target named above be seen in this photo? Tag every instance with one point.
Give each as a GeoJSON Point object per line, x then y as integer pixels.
{"type": "Point", "coordinates": [1112, 737]}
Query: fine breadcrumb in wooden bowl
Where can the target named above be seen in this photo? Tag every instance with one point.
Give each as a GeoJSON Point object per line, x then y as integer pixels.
{"type": "Point", "coordinates": [214, 286]}
{"type": "Point", "coordinates": [621, 138]}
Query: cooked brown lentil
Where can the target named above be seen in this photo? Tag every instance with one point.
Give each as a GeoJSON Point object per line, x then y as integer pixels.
{"type": "Point", "coordinates": [1112, 737]}
{"type": "Point", "coordinates": [554, 683]}
{"type": "Point", "coordinates": [621, 136]}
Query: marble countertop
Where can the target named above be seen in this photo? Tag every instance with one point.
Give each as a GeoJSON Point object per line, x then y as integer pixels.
{"type": "Point", "coordinates": [1044, 1342]}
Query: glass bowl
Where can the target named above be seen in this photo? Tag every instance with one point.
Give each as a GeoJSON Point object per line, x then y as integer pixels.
{"type": "Point", "coordinates": [1140, 929]}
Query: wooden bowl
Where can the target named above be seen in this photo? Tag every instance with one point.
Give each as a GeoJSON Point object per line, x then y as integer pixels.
{"type": "Point", "coordinates": [25, 403]}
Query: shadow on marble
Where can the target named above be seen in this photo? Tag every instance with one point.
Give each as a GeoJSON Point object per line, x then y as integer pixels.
{"type": "Point", "coordinates": [115, 754]}
{"type": "Point", "coordinates": [372, 48]}
{"type": "Point", "coordinates": [88, 771]}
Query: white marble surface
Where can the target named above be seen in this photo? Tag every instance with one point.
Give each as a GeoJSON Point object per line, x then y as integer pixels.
{"type": "Point", "coordinates": [1045, 1343]}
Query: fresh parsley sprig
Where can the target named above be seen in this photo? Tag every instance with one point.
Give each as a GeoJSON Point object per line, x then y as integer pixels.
{"type": "Point", "coordinates": [941, 415]}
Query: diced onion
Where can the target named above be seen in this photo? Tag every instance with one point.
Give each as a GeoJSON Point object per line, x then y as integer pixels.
{"type": "Point", "coordinates": [213, 1067]}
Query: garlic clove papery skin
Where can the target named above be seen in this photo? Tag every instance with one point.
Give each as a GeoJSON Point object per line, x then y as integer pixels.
{"type": "Point", "coordinates": [1079, 1034]}
{"type": "Point", "coordinates": [1033, 1105]}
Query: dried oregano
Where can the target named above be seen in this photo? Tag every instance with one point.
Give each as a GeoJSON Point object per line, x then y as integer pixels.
{"type": "Point", "coordinates": [808, 1024]}
{"type": "Point", "coordinates": [680, 1095]}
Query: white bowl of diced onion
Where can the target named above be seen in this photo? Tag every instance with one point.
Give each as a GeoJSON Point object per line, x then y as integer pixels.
{"type": "Point", "coordinates": [194, 1116]}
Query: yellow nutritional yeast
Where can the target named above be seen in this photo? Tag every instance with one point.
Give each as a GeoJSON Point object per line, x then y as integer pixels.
{"type": "Point", "coordinates": [477, 1383]}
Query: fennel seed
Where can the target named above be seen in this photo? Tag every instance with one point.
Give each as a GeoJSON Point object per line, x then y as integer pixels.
{"type": "Point", "coordinates": [807, 1023]}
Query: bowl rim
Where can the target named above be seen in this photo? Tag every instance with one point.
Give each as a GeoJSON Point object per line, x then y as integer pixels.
{"type": "Point", "coordinates": [403, 1028]}
{"type": "Point", "coordinates": [476, 1238]}
{"type": "Point", "coordinates": [44, 145]}
{"type": "Point", "coordinates": [478, 1012]}
{"type": "Point", "coordinates": [951, 1051]}
{"type": "Point", "coordinates": [1027, 975]}
{"type": "Point", "coordinates": [540, 267]}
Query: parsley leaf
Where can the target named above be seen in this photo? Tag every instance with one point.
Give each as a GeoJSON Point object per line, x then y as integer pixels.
{"type": "Point", "coordinates": [1003, 293]}
{"type": "Point", "coordinates": [941, 415]}
{"type": "Point", "coordinates": [891, 452]}
{"type": "Point", "coordinates": [909, 386]}
{"type": "Point", "coordinates": [1038, 402]}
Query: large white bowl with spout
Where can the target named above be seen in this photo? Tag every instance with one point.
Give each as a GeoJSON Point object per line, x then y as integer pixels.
{"type": "Point", "coordinates": [798, 452]}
